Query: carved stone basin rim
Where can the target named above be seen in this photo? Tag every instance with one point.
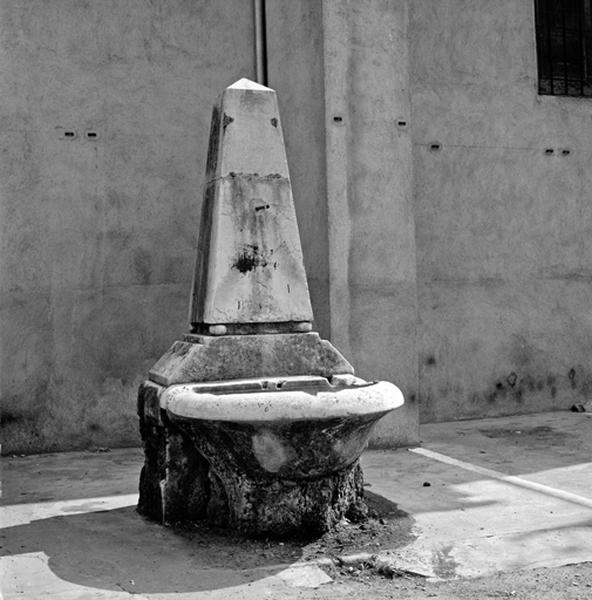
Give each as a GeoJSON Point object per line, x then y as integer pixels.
{"type": "Point", "coordinates": [275, 399]}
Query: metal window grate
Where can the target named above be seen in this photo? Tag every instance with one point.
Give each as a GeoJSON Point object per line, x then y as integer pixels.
{"type": "Point", "coordinates": [564, 47]}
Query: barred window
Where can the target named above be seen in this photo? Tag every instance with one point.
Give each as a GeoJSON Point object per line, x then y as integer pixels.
{"type": "Point", "coordinates": [564, 47]}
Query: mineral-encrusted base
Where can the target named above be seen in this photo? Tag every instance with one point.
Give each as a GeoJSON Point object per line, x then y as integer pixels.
{"type": "Point", "coordinates": [178, 484]}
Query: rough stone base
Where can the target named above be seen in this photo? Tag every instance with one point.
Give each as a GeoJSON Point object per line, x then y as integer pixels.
{"type": "Point", "coordinates": [178, 484]}
{"type": "Point", "coordinates": [280, 508]}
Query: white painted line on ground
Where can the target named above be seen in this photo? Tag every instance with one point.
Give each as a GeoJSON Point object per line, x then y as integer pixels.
{"type": "Point", "coordinates": [21, 514]}
{"type": "Point", "coordinates": [512, 479]}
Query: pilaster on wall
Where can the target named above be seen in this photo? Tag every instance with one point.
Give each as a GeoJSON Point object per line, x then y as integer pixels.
{"type": "Point", "coordinates": [368, 153]}
{"type": "Point", "coordinates": [340, 68]}
{"type": "Point", "coordinates": [295, 70]}
{"type": "Point", "coordinates": [336, 54]}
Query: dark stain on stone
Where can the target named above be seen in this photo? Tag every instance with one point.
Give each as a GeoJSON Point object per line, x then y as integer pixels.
{"type": "Point", "coordinates": [226, 120]}
{"type": "Point", "coordinates": [550, 380]}
{"type": "Point", "coordinates": [181, 349]}
{"type": "Point", "coordinates": [443, 563]}
{"type": "Point", "coordinates": [540, 385]}
{"type": "Point", "coordinates": [572, 374]}
{"type": "Point", "coordinates": [430, 360]}
{"type": "Point", "coordinates": [143, 265]}
{"type": "Point", "coordinates": [115, 200]}
{"type": "Point", "coordinates": [512, 377]}
{"type": "Point", "coordinates": [252, 98]}
{"type": "Point", "coordinates": [256, 177]}
{"type": "Point", "coordinates": [412, 398]}
{"type": "Point", "coordinates": [94, 427]}
{"type": "Point", "coordinates": [553, 392]}
{"type": "Point", "coordinates": [250, 258]}
{"type": "Point", "coordinates": [500, 390]}
{"type": "Point", "coordinates": [118, 236]}
{"type": "Point", "coordinates": [274, 122]}
{"type": "Point", "coordinates": [212, 159]}
{"type": "Point", "coordinates": [8, 417]}
{"type": "Point", "coordinates": [586, 387]}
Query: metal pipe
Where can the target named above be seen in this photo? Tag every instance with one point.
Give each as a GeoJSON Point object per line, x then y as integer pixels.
{"type": "Point", "coordinates": [260, 42]}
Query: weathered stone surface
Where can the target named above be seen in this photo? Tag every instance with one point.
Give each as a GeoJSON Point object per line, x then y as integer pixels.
{"type": "Point", "coordinates": [174, 482]}
{"type": "Point", "coordinates": [265, 430]}
{"type": "Point", "coordinates": [297, 451]}
{"type": "Point", "coordinates": [179, 484]}
{"type": "Point", "coordinates": [278, 508]}
{"type": "Point", "coordinates": [212, 358]}
{"type": "Point", "coordinates": [268, 401]}
{"type": "Point", "coordinates": [250, 267]}
{"type": "Point", "coordinates": [149, 404]}
{"type": "Point", "coordinates": [232, 475]}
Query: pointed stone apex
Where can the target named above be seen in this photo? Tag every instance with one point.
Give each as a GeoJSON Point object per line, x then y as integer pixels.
{"type": "Point", "coordinates": [250, 270]}
{"type": "Point", "coordinates": [247, 84]}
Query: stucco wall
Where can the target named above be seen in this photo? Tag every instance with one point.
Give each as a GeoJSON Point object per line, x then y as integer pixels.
{"type": "Point", "coordinates": [98, 237]}
{"type": "Point", "coordinates": [481, 246]}
{"type": "Point", "coordinates": [503, 230]}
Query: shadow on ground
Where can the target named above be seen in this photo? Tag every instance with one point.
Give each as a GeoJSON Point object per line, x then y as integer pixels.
{"type": "Point", "coordinates": [120, 550]}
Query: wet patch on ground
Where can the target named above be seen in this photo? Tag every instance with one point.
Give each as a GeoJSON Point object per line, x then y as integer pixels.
{"type": "Point", "coordinates": [539, 434]}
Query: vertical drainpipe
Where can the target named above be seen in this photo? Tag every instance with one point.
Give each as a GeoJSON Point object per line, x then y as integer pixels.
{"type": "Point", "coordinates": [260, 42]}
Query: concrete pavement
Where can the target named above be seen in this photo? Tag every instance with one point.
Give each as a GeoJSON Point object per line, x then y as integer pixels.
{"type": "Point", "coordinates": [503, 494]}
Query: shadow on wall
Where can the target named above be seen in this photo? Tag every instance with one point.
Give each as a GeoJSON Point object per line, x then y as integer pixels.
{"type": "Point", "coordinates": [74, 415]}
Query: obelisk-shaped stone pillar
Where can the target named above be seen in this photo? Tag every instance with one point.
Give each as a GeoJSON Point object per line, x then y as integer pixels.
{"type": "Point", "coordinates": [291, 461]}
{"type": "Point", "coordinates": [250, 274]}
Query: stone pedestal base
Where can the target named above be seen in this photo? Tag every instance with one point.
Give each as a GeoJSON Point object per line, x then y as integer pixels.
{"type": "Point", "coordinates": [179, 484]}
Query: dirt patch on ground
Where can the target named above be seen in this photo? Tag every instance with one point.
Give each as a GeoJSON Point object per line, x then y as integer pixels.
{"type": "Point", "coordinates": [387, 527]}
{"type": "Point", "coordinates": [572, 582]}
{"type": "Point", "coordinates": [542, 434]}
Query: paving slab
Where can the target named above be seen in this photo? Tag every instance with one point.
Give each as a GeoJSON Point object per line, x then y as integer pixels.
{"type": "Point", "coordinates": [503, 494]}
{"type": "Point", "coordinates": [492, 495]}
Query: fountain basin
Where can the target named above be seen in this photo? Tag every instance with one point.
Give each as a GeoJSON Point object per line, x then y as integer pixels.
{"type": "Point", "coordinates": [296, 428]}
{"type": "Point", "coordinates": [275, 454]}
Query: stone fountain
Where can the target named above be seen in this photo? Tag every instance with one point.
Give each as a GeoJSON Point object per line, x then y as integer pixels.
{"type": "Point", "coordinates": [252, 421]}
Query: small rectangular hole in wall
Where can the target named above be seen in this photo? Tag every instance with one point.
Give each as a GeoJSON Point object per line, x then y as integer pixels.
{"type": "Point", "coordinates": [69, 134]}
{"type": "Point", "coordinates": [92, 135]}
